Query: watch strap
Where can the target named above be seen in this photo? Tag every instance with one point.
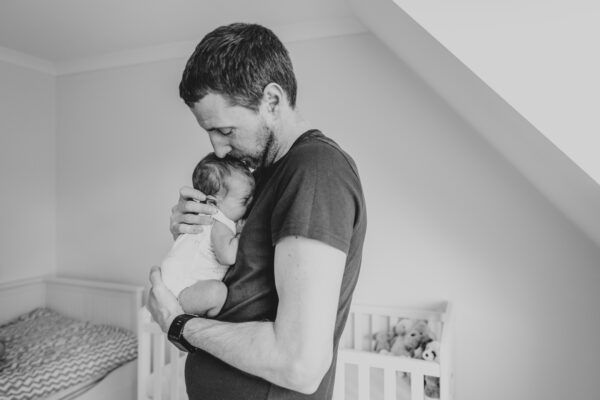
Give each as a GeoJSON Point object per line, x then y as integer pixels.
{"type": "Point", "coordinates": [175, 334]}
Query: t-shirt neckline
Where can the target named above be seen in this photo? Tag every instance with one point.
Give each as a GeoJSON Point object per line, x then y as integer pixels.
{"type": "Point", "coordinates": [306, 135]}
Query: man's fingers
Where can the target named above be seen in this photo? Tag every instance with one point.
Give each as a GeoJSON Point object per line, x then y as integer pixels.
{"type": "Point", "coordinates": [185, 207]}
{"type": "Point", "coordinates": [191, 223]}
{"type": "Point", "coordinates": [195, 219]}
{"type": "Point", "coordinates": [198, 208]}
{"type": "Point", "coordinates": [190, 193]}
{"type": "Point", "coordinates": [188, 216]}
{"type": "Point", "coordinates": [184, 228]}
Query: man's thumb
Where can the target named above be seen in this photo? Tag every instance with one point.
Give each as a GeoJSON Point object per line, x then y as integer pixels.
{"type": "Point", "coordinates": [155, 276]}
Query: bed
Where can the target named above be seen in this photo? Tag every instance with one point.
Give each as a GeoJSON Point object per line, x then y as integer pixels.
{"type": "Point", "coordinates": [360, 374]}
{"type": "Point", "coordinates": [158, 371]}
{"type": "Point", "coordinates": [71, 305]}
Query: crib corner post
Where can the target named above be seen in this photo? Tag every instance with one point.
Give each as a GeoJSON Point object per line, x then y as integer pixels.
{"type": "Point", "coordinates": [143, 362]}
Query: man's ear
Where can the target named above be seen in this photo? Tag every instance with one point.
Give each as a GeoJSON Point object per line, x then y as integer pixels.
{"type": "Point", "coordinates": [273, 97]}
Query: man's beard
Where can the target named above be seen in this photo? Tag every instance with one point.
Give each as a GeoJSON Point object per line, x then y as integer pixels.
{"type": "Point", "coordinates": [265, 153]}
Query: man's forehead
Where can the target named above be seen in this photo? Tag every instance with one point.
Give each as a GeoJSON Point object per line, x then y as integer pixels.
{"type": "Point", "coordinates": [212, 111]}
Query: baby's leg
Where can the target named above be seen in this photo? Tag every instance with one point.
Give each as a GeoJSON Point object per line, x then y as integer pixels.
{"type": "Point", "coordinates": [204, 298]}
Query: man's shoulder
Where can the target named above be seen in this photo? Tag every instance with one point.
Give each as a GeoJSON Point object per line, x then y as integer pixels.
{"type": "Point", "coordinates": [314, 140]}
{"type": "Point", "coordinates": [316, 151]}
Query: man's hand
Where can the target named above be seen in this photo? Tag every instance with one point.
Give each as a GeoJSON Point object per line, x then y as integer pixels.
{"type": "Point", "coordinates": [162, 304]}
{"type": "Point", "coordinates": [188, 215]}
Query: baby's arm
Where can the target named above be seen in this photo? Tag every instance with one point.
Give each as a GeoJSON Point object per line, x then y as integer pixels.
{"type": "Point", "coordinates": [225, 243]}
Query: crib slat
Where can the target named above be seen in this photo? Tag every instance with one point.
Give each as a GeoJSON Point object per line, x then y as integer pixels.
{"type": "Point", "coordinates": [143, 371]}
{"type": "Point", "coordinates": [369, 333]}
{"type": "Point", "coordinates": [158, 363]}
{"type": "Point", "coordinates": [417, 386]}
{"type": "Point", "coordinates": [357, 332]}
{"type": "Point", "coordinates": [349, 333]}
{"type": "Point", "coordinates": [364, 390]}
{"type": "Point", "coordinates": [389, 384]}
{"type": "Point", "coordinates": [174, 373]}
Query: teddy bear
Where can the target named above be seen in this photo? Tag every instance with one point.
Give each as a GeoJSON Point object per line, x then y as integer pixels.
{"type": "Point", "coordinates": [382, 342]}
{"type": "Point", "coordinates": [409, 340]}
{"type": "Point", "coordinates": [431, 351]}
{"type": "Point", "coordinates": [432, 387]}
{"type": "Point", "coordinates": [402, 326]}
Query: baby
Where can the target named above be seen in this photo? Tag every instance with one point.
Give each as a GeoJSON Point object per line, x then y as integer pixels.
{"type": "Point", "coordinates": [197, 263]}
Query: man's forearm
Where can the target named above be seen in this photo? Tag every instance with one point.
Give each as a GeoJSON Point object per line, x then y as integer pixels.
{"type": "Point", "coordinates": [252, 347]}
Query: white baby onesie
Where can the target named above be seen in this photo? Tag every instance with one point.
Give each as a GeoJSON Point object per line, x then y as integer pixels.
{"type": "Point", "coordinates": [192, 258]}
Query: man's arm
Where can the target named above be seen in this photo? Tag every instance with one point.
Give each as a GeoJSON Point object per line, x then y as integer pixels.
{"type": "Point", "coordinates": [296, 349]}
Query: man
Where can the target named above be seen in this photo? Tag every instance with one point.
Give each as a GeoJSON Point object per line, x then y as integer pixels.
{"type": "Point", "coordinates": [300, 250]}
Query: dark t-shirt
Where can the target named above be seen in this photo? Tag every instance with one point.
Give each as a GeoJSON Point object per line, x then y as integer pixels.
{"type": "Point", "coordinates": [314, 191]}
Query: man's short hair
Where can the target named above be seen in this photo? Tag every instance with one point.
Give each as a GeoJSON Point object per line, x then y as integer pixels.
{"type": "Point", "coordinates": [210, 173]}
{"type": "Point", "coordinates": [238, 61]}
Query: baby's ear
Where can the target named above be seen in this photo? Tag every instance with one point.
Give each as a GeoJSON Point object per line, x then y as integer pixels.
{"type": "Point", "coordinates": [211, 200]}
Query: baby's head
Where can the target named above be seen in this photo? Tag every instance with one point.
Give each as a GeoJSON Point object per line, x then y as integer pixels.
{"type": "Point", "coordinates": [228, 180]}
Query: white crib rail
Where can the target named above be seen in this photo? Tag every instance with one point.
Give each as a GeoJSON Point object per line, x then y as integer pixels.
{"type": "Point", "coordinates": [176, 372]}
{"type": "Point", "coordinates": [356, 343]}
{"type": "Point", "coordinates": [156, 355]}
{"type": "Point", "coordinates": [447, 360]}
{"type": "Point", "coordinates": [144, 352]}
{"type": "Point", "coordinates": [159, 363]}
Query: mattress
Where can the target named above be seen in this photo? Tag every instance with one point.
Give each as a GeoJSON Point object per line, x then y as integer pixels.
{"type": "Point", "coordinates": [48, 352]}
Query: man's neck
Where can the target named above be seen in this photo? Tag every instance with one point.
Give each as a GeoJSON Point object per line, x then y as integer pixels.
{"type": "Point", "coordinates": [288, 134]}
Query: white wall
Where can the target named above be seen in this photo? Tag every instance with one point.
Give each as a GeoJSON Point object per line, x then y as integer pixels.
{"type": "Point", "coordinates": [126, 144]}
{"type": "Point", "coordinates": [544, 165]}
{"type": "Point", "coordinates": [27, 173]}
{"type": "Point", "coordinates": [448, 217]}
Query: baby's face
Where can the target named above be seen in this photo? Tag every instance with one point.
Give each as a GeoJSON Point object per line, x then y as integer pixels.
{"type": "Point", "coordinates": [237, 199]}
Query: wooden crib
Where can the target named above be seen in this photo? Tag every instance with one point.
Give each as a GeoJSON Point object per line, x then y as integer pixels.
{"type": "Point", "coordinates": [361, 374]}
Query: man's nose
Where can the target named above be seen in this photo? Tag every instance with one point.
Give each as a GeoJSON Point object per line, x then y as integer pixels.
{"type": "Point", "coordinates": [221, 151]}
{"type": "Point", "coordinates": [220, 146]}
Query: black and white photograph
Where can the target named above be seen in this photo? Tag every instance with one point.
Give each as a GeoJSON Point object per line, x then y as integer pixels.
{"type": "Point", "coordinates": [287, 200]}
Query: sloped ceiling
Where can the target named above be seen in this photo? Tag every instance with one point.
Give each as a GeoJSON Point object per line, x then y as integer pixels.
{"type": "Point", "coordinates": [542, 57]}
{"type": "Point", "coordinates": [495, 96]}
{"type": "Point", "coordinates": [523, 73]}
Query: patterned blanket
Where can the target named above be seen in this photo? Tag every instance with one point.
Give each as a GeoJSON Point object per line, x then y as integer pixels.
{"type": "Point", "coordinates": [47, 352]}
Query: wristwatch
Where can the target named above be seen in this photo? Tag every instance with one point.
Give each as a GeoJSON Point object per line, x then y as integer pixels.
{"type": "Point", "coordinates": [175, 333]}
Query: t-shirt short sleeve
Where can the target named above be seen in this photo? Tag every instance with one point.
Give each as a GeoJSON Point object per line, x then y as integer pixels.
{"type": "Point", "coordinates": [317, 196]}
